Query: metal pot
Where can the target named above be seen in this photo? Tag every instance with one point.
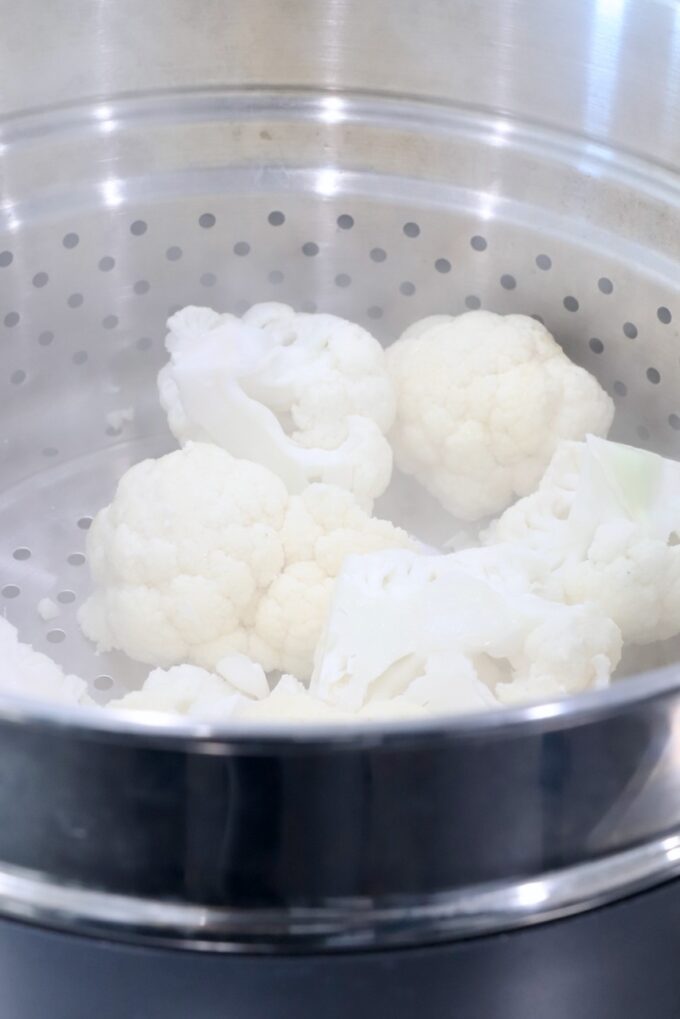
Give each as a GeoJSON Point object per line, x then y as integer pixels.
{"type": "Point", "coordinates": [382, 160]}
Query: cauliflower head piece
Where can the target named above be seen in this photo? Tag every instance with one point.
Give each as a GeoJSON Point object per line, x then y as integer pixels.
{"type": "Point", "coordinates": [201, 555]}
{"type": "Point", "coordinates": [456, 633]}
{"type": "Point", "coordinates": [605, 520]}
{"type": "Point", "coordinates": [483, 400]}
{"type": "Point", "coordinates": [307, 395]}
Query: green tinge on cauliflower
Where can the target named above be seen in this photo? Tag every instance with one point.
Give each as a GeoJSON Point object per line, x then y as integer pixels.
{"type": "Point", "coordinates": [308, 396]}
{"type": "Point", "coordinates": [201, 555]}
{"type": "Point", "coordinates": [456, 633]}
{"type": "Point", "coordinates": [29, 673]}
{"type": "Point", "coordinates": [483, 400]}
{"type": "Point", "coordinates": [605, 522]}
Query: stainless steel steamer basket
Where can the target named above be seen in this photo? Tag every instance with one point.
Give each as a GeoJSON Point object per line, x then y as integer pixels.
{"type": "Point", "coordinates": [384, 160]}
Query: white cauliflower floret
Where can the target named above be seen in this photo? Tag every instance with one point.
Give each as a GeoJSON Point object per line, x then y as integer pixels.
{"type": "Point", "coordinates": [605, 521]}
{"type": "Point", "coordinates": [181, 556]}
{"type": "Point", "coordinates": [483, 400]}
{"type": "Point", "coordinates": [322, 527]}
{"type": "Point", "coordinates": [29, 673]}
{"type": "Point", "coordinates": [201, 555]}
{"type": "Point", "coordinates": [182, 690]}
{"type": "Point", "coordinates": [455, 633]}
{"type": "Point", "coordinates": [308, 396]}
{"type": "Point", "coordinates": [190, 690]}
{"type": "Point", "coordinates": [537, 521]}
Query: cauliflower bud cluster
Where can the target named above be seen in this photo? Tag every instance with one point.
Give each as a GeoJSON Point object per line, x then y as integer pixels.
{"type": "Point", "coordinates": [308, 396]}
{"type": "Point", "coordinates": [247, 570]}
{"type": "Point", "coordinates": [483, 402]}
{"type": "Point", "coordinates": [201, 555]}
{"type": "Point", "coordinates": [605, 526]}
{"type": "Point", "coordinates": [459, 633]}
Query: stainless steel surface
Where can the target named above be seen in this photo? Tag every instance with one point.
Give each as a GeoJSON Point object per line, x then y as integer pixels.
{"type": "Point", "coordinates": [473, 911]}
{"type": "Point", "coordinates": [382, 161]}
{"type": "Point", "coordinates": [609, 69]}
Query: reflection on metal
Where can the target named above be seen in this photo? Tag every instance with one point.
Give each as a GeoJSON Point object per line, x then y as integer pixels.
{"type": "Point", "coordinates": [112, 192]}
{"type": "Point", "coordinates": [339, 925]}
{"type": "Point", "coordinates": [327, 182]}
{"type": "Point", "coordinates": [332, 109]}
{"type": "Point", "coordinates": [602, 78]}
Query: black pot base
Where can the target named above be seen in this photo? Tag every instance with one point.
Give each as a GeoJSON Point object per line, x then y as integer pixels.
{"type": "Point", "coordinates": [618, 962]}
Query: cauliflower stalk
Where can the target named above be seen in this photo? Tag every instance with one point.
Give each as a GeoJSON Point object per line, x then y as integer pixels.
{"type": "Point", "coordinates": [483, 400]}
{"type": "Point", "coordinates": [201, 555]}
{"type": "Point", "coordinates": [456, 633]}
{"type": "Point", "coordinates": [308, 396]}
{"type": "Point", "coordinates": [605, 523]}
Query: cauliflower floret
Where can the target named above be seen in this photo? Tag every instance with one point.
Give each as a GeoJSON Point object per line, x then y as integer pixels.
{"type": "Point", "coordinates": [201, 555]}
{"type": "Point", "coordinates": [181, 556]}
{"type": "Point", "coordinates": [483, 400]}
{"type": "Point", "coordinates": [633, 578]}
{"type": "Point", "coordinates": [308, 396]}
{"type": "Point", "coordinates": [455, 633]}
{"type": "Point", "coordinates": [322, 527]}
{"type": "Point", "coordinates": [183, 690]}
{"type": "Point", "coordinates": [567, 652]}
{"type": "Point", "coordinates": [537, 521]}
{"type": "Point", "coordinates": [605, 521]}
{"type": "Point", "coordinates": [190, 690]}
{"type": "Point", "coordinates": [29, 673]}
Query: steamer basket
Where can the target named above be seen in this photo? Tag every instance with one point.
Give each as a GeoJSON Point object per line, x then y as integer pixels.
{"type": "Point", "coordinates": [382, 161]}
